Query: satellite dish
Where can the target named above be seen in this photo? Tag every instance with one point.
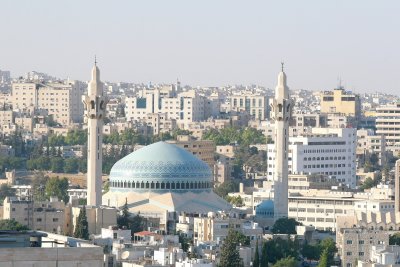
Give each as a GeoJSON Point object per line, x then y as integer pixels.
{"type": "Point", "coordinates": [125, 255]}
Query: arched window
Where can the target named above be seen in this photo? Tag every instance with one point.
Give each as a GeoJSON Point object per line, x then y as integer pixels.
{"type": "Point", "coordinates": [125, 185]}
{"type": "Point", "coordinates": [133, 185]}
{"type": "Point", "coordinates": [157, 185]}
{"type": "Point", "coordinates": [167, 185]}
{"type": "Point", "coordinates": [152, 185]}
{"type": "Point", "coordinates": [147, 185]}
{"type": "Point", "coordinates": [162, 185]}
{"type": "Point", "coordinates": [172, 185]}
{"type": "Point", "coordinates": [92, 104]}
{"type": "Point", "coordinates": [137, 185]}
{"type": "Point", "coordinates": [178, 185]}
{"type": "Point", "coordinates": [142, 185]}
{"type": "Point", "coordinates": [191, 185]}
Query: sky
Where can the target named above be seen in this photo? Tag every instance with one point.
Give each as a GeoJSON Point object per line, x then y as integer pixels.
{"type": "Point", "coordinates": [208, 42]}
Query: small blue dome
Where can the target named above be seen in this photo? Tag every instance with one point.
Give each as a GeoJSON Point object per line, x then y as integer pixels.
{"type": "Point", "coordinates": [265, 209]}
{"type": "Point", "coordinates": [160, 166]}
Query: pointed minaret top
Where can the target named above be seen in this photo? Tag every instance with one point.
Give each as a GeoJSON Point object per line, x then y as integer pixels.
{"type": "Point", "coordinates": [282, 90]}
{"type": "Point", "coordinates": [95, 85]}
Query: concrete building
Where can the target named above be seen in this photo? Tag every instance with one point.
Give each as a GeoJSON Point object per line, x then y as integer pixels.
{"type": "Point", "coordinates": [50, 216]}
{"type": "Point", "coordinates": [340, 101]}
{"type": "Point", "coordinates": [328, 151]}
{"type": "Point", "coordinates": [356, 243]}
{"type": "Point", "coordinates": [381, 256]}
{"type": "Point", "coordinates": [281, 114]}
{"type": "Point", "coordinates": [255, 105]}
{"type": "Point", "coordinates": [45, 249]}
{"type": "Point", "coordinates": [397, 185]}
{"type": "Point", "coordinates": [61, 100]}
{"type": "Point", "coordinates": [388, 125]}
{"type": "Point", "coordinates": [368, 143]}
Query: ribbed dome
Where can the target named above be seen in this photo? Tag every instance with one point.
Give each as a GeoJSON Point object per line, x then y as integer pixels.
{"type": "Point", "coordinates": [160, 166]}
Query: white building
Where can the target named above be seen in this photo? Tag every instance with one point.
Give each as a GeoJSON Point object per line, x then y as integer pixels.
{"type": "Point", "coordinates": [61, 100]}
{"type": "Point", "coordinates": [329, 151]}
{"type": "Point", "coordinates": [388, 125]}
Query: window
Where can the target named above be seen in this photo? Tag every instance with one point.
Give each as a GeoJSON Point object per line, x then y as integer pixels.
{"type": "Point", "coordinates": [55, 219]}
{"type": "Point", "coordinates": [115, 235]}
{"type": "Point", "coordinates": [349, 253]}
{"type": "Point", "coordinates": [349, 242]}
{"type": "Point", "coordinates": [38, 219]}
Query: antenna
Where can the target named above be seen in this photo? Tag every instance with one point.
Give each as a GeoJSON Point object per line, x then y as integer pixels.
{"type": "Point", "coordinates": [95, 60]}
{"type": "Point", "coordinates": [282, 63]}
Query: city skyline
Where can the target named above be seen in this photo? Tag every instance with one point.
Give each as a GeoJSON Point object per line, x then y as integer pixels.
{"type": "Point", "coordinates": [230, 43]}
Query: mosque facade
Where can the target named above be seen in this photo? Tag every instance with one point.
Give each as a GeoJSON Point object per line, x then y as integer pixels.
{"type": "Point", "coordinates": [162, 181]}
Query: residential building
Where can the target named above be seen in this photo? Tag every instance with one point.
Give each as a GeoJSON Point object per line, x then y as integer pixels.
{"type": "Point", "coordinates": [356, 243]}
{"type": "Point", "coordinates": [328, 151]}
{"type": "Point", "coordinates": [255, 105]}
{"type": "Point", "coordinates": [341, 101]}
{"type": "Point", "coordinates": [388, 125]}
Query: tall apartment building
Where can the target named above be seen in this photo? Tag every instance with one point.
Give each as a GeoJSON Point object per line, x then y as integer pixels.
{"type": "Point", "coordinates": [340, 101]}
{"type": "Point", "coordinates": [185, 108]}
{"type": "Point", "coordinates": [255, 105]}
{"type": "Point", "coordinates": [329, 151]}
{"type": "Point", "coordinates": [369, 143]}
{"type": "Point", "coordinates": [61, 100]}
{"type": "Point", "coordinates": [388, 125]}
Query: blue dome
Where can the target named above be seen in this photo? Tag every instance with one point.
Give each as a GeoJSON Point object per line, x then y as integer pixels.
{"type": "Point", "coordinates": [160, 166]}
{"type": "Point", "coordinates": [265, 209]}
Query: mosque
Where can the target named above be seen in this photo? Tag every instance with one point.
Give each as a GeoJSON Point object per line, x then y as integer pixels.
{"type": "Point", "coordinates": [162, 181]}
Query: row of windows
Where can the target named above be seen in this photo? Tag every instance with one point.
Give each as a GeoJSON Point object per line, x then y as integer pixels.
{"type": "Point", "coordinates": [325, 158]}
{"type": "Point", "coordinates": [161, 185]}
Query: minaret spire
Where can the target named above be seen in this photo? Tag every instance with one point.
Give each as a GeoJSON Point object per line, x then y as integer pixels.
{"type": "Point", "coordinates": [95, 108]}
{"type": "Point", "coordinates": [281, 113]}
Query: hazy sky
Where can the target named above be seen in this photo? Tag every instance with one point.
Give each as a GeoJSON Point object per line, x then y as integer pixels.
{"type": "Point", "coordinates": [207, 42]}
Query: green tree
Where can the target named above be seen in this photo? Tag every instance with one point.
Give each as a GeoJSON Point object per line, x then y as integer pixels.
{"type": "Point", "coordinates": [57, 164]}
{"type": "Point", "coordinates": [324, 260]}
{"type": "Point", "coordinates": [184, 241]}
{"type": "Point", "coordinates": [229, 253]}
{"type": "Point", "coordinates": [286, 262]}
{"type": "Point", "coordinates": [329, 245]}
{"type": "Point", "coordinates": [285, 226]}
{"type": "Point", "coordinates": [82, 226]}
{"type": "Point", "coordinates": [123, 219]}
{"type": "Point", "coordinates": [227, 187]}
{"type": "Point", "coordinates": [56, 187]}
{"type": "Point", "coordinates": [6, 191]}
{"type": "Point", "coordinates": [264, 255]}
{"type": "Point", "coordinates": [12, 225]}
{"type": "Point", "coordinates": [311, 252]}
{"type": "Point", "coordinates": [279, 248]}
{"type": "Point", "coordinates": [394, 239]}
{"type": "Point", "coordinates": [38, 186]}
{"type": "Point", "coordinates": [237, 201]}
{"type": "Point", "coordinates": [71, 165]}
{"type": "Point", "coordinates": [256, 262]}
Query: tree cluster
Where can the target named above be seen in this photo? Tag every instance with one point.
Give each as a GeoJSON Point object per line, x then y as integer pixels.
{"type": "Point", "coordinates": [229, 252]}
{"type": "Point", "coordinates": [44, 187]}
{"type": "Point", "coordinates": [82, 226]}
{"type": "Point", "coordinates": [235, 135]}
{"type": "Point", "coordinates": [6, 191]}
{"type": "Point", "coordinates": [12, 225]}
{"type": "Point", "coordinates": [135, 223]}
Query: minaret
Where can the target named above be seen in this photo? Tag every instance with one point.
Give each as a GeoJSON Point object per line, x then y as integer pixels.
{"type": "Point", "coordinates": [281, 114]}
{"type": "Point", "coordinates": [95, 105]}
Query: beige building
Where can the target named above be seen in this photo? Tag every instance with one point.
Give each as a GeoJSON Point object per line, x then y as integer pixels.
{"type": "Point", "coordinates": [369, 143]}
{"type": "Point", "coordinates": [355, 244]}
{"type": "Point", "coordinates": [214, 228]}
{"type": "Point", "coordinates": [6, 116]}
{"type": "Point", "coordinates": [61, 100]}
{"type": "Point", "coordinates": [203, 149]}
{"type": "Point", "coordinates": [50, 216]}
{"type": "Point", "coordinates": [340, 101]}
{"type": "Point", "coordinates": [255, 105]}
{"type": "Point", "coordinates": [388, 125]}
